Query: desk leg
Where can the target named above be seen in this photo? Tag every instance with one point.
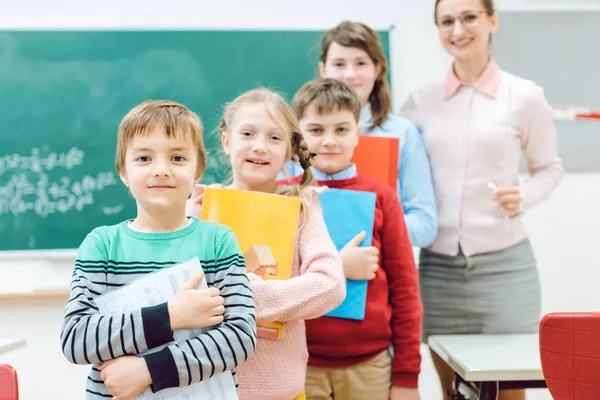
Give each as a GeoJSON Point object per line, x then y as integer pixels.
{"type": "Point", "coordinates": [463, 390]}
{"type": "Point", "coordinates": [488, 391]}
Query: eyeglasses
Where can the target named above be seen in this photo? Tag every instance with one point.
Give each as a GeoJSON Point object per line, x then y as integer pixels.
{"type": "Point", "coordinates": [467, 19]}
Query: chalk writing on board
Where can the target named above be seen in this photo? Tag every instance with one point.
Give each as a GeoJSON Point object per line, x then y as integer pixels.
{"type": "Point", "coordinates": [45, 197]}
{"type": "Point", "coordinates": [113, 210]}
{"type": "Point", "coordinates": [38, 163]}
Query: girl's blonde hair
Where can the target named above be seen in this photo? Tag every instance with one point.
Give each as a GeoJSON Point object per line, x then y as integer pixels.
{"type": "Point", "coordinates": [355, 34]}
{"type": "Point", "coordinates": [280, 111]}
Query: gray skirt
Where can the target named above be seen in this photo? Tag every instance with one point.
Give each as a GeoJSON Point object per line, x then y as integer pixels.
{"type": "Point", "coordinates": [496, 292]}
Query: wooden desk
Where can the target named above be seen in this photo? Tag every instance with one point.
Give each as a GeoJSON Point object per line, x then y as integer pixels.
{"type": "Point", "coordinates": [10, 344]}
{"type": "Point", "coordinates": [484, 364]}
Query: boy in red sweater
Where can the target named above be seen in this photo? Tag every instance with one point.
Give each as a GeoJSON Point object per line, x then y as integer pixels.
{"type": "Point", "coordinates": [349, 359]}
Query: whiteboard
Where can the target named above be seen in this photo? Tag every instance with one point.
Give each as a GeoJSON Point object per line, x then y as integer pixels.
{"type": "Point", "coordinates": [560, 51]}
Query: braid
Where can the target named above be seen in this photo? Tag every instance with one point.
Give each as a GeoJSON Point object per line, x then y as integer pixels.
{"type": "Point", "coordinates": [301, 154]}
{"type": "Point", "coordinates": [305, 158]}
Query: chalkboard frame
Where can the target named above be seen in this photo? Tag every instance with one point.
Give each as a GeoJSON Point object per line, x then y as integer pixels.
{"type": "Point", "coordinates": [14, 48]}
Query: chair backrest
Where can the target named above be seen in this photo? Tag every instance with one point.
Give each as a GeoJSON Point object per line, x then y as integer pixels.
{"type": "Point", "coordinates": [570, 354]}
{"type": "Point", "coordinates": [9, 387]}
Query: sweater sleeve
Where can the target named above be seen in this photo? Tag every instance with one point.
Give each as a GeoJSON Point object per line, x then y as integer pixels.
{"type": "Point", "coordinates": [88, 337]}
{"type": "Point", "coordinates": [539, 143]}
{"type": "Point", "coordinates": [416, 183]}
{"type": "Point", "coordinates": [416, 190]}
{"type": "Point", "coordinates": [318, 289]}
{"type": "Point", "coordinates": [223, 347]}
{"type": "Point", "coordinates": [398, 260]}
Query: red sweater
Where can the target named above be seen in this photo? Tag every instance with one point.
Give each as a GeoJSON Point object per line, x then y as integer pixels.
{"type": "Point", "coordinates": [393, 311]}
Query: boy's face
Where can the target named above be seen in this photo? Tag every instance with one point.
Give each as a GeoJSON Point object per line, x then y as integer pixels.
{"type": "Point", "coordinates": [332, 136]}
{"type": "Point", "coordinates": [160, 171]}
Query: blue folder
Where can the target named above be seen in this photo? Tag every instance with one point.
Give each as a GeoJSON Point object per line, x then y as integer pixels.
{"type": "Point", "coordinates": [346, 214]}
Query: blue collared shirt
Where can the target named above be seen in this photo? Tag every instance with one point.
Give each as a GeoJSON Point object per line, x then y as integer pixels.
{"type": "Point", "coordinates": [347, 173]}
{"type": "Point", "coordinates": [294, 169]}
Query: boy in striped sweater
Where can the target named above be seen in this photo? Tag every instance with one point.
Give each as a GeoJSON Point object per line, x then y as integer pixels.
{"type": "Point", "coordinates": [160, 157]}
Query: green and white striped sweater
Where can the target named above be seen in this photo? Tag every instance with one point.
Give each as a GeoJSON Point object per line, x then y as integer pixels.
{"type": "Point", "coordinates": [111, 257]}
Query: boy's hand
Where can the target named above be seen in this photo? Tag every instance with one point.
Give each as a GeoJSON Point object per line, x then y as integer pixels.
{"type": "Point", "coordinates": [404, 393]}
{"type": "Point", "coordinates": [360, 263]}
{"type": "Point", "coordinates": [194, 309]}
{"type": "Point", "coordinates": [125, 377]}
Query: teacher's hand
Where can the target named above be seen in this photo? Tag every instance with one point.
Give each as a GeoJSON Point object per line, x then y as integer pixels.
{"type": "Point", "coordinates": [509, 199]}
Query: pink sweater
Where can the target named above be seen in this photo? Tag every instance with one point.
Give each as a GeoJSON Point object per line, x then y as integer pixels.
{"type": "Point", "coordinates": [277, 368]}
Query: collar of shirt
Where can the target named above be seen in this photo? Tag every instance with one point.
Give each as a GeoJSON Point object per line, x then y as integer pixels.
{"type": "Point", "coordinates": [487, 83]}
{"type": "Point", "coordinates": [347, 173]}
{"type": "Point", "coordinates": [365, 117]}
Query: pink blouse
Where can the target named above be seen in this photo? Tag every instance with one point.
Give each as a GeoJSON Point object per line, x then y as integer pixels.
{"type": "Point", "coordinates": [474, 136]}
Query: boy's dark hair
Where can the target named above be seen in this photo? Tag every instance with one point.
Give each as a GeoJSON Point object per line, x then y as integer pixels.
{"type": "Point", "coordinates": [326, 95]}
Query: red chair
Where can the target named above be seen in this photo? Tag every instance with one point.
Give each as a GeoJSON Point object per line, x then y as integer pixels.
{"type": "Point", "coordinates": [9, 387]}
{"type": "Point", "coordinates": [570, 354]}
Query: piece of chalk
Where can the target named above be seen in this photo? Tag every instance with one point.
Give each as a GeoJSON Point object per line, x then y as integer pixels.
{"type": "Point", "coordinates": [492, 186]}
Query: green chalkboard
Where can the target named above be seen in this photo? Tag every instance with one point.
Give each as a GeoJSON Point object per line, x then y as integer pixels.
{"type": "Point", "coordinates": [63, 94]}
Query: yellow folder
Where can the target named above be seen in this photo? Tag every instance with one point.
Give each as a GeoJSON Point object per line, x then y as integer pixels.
{"type": "Point", "coordinates": [265, 227]}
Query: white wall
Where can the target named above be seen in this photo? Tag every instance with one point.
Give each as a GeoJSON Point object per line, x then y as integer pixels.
{"type": "Point", "coordinates": [563, 230]}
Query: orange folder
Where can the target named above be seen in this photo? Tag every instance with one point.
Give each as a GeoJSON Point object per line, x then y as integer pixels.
{"type": "Point", "coordinates": [377, 158]}
{"type": "Point", "coordinates": [265, 227]}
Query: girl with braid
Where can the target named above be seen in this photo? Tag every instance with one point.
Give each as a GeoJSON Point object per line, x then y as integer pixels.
{"type": "Point", "coordinates": [260, 134]}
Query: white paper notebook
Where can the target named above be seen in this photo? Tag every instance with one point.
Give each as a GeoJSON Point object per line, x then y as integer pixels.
{"type": "Point", "coordinates": [159, 287]}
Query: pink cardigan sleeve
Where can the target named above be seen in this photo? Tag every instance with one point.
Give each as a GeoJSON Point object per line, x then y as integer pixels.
{"type": "Point", "coordinates": [321, 285]}
{"type": "Point", "coordinates": [539, 144]}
